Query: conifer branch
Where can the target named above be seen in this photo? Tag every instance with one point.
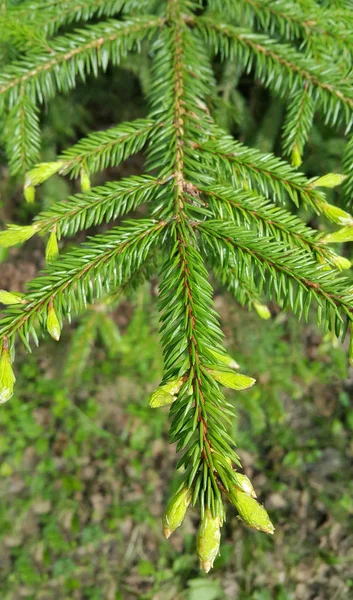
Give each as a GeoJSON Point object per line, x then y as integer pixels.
{"type": "Point", "coordinates": [77, 54]}
{"type": "Point", "coordinates": [198, 412]}
{"type": "Point", "coordinates": [188, 343]}
{"type": "Point", "coordinates": [282, 68]}
{"type": "Point", "coordinates": [211, 199]}
{"type": "Point", "coordinates": [248, 209]}
{"type": "Point", "coordinates": [102, 203]}
{"type": "Point", "coordinates": [103, 149]}
{"type": "Point", "coordinates": [304, 21]}
{"type": "Point", "coordinates": [50, 15]}
{"type": "Point", "coordinates": [22, 135]}
{"type": "Point", "coordinates": [295, 278]}
{"type": "Point", "coordinates": [82, 275]}
{"type": "Point", "coordinates": [265, 172]}
{"type": "Point", "coordinates": [297, 125]}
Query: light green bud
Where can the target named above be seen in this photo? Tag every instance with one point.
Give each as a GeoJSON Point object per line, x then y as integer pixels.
{"type": "Point", "coordinates": [330, 180]}
{"type": "Point", "coordinates": [244, 483]}
{"type": "Point", "coordinates": [251, 511]}
{"type": "Point", "coordinates": [262, 310]}
{"type": "Point", "coordinates": [226, 359]}
{"type": "Point", "coordinates": [85, 180]}
{"type": "Point", "coordinates": [42, 172]}
{"type": "Point", "coordinates": [53, 325]}
{"type": "Point", "coordinates": [52, 249]}
{"type": "Point", "coordinates": [336, 214]}
{"type": "Point", "coordinates": [342, 235]}
{"type": "Point", "coordinates": [7, 377]}
{"type": "Point", "coordinates": [167, 393]}
{"type": "Point", "coordinates": [29, 193]}
{"type": "Point", "coordinates": [296, 157]}
{"type": "Point", "coordinates": [176, 511]}
{"type": "Point", "coordinates": [11, 298]}
{"type": "Point", "coordinates": [208, 540]}
{"type": "Point", "coordinates": [15, 234]}
{"type": "Point", "coordinates": [234, 381]}
{"type": "Point", "coordinates": [341, 262]}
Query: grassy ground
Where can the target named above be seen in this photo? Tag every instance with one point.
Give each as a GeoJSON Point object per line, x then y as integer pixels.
{"type": "Point", "coordinates": [84, 476]}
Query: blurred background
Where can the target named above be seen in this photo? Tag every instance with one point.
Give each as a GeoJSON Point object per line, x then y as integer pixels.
{"type": "Point", "coordinates": [85, 464]}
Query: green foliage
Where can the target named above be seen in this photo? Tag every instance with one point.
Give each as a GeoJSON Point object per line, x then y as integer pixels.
{"type": "Point", "coordinates": [207, 200]}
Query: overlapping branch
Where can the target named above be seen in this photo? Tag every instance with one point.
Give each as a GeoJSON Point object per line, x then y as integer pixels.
{"type": "Point", "coordinates": [305, 21]}
{"type": "Point", "coordinates": [282, 68]}
{"type": "Point", "coordinates": [294, 279]}
{"type": "Point", "coordinates": [248, 209]}
{"type": "Point", "coordinates": [250, 167]}
{"type": "Point", "coordinates": [22, 135]}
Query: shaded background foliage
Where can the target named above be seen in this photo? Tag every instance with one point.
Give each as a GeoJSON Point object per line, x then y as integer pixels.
{"type": "Point", "coordinates": [85, 467]}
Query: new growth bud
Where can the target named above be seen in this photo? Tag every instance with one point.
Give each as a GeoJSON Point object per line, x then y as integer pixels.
{"type": "Point", "coordinates": [208, 540]}
{"type": "Point", "coordinates": [7, 377]}
{"type": "Point", "coordinates": [296, 157]}
{"type": "Point", "coordinates": [167, 393]}
{"type": "Point", "coordinates": [234, 381]}
{"type": "Point", "coordinates": [11, 298]}
{"type": "Point", "coordinates": [42, 172]}
{"type": "Point", "coordinates": [85, 180]}
{"type": "Point", "coordinates": [341, 262]}
{"type": "Point", "coordinates": [330, 180]}
{"type": "Point", "coordinates": [336, 214]}
{"type": "Point", "coordinates": [29, 193]}
{"type": "Point", "coordinates": [176, 511]}
{"type": "Point", "coordinates": [226, 359]}
{"type": "Point", "coordinates": [15, 234]}
{"type": "Point", "coordinates": [52, 249]}
{"type": "Point", "coordinates": [250, 511]}
{"type": "Point", "coordinates": [342, 235]}
{"type": "Point", "coordinates": [244, 483]}
{"type": "Point", "coordinates": [53, 325]}
{"type": "Point", "coordinates": [262, 310]}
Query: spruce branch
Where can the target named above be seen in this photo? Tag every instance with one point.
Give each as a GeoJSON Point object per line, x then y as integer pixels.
{"type": "Point", "coordinates": [248, 209]}
{"type": "Point", "coordinates": [209, 201]}
{"type": "Point", "coordinates": [282, 68]}
{"type": "Point", "coordinates": [297, 125]}
{"type": "Point", "coordinates": [22, 135]}
{"type": "Point", "coordinates": [42, 74]}
{"type": "Point", "coordinates": [103, 149]}
{"type": "Point", "coordinates": [304, 21]}
{"type": "Point", "coordinates": [295, 279]}
{"type": "Point", "coordinates": [190, 335]}
{"type": "Point", "coordinates": [102, 203]}
{"type": "Point", "coordinates": [81, 276]}
{"type": "Point", "coordinates": [265, 172]}
{"type": "Point", "coordinates": [49, 15]}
